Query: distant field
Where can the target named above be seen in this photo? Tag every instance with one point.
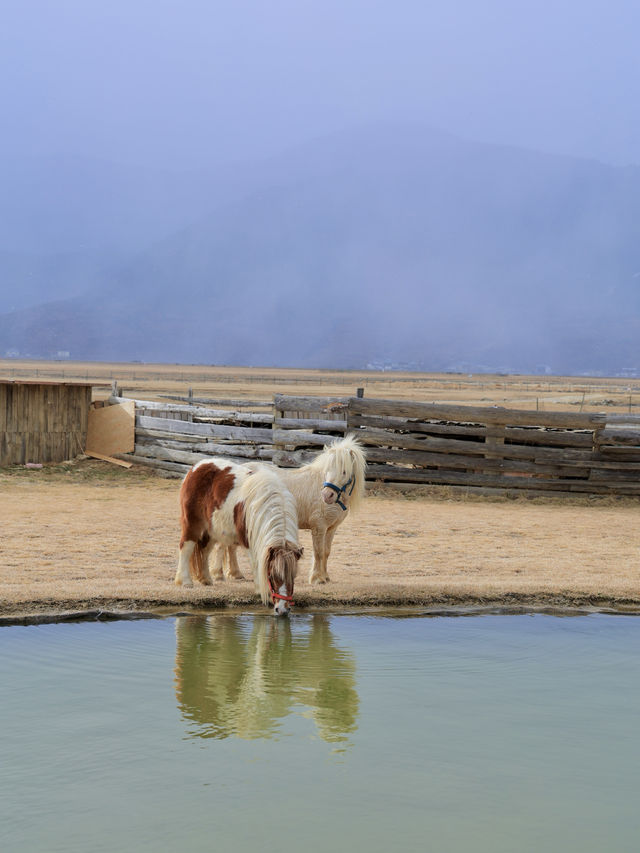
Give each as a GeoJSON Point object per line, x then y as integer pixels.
{"type": "Point", "coordinates": [150, 381]}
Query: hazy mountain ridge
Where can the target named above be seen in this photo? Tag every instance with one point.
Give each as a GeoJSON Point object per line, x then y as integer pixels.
{"type": "Point", "coordinates": [63, 204]}
{"type": "Point", "coordinates": [386, 244]}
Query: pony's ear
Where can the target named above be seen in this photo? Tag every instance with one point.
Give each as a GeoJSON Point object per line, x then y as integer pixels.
{"type": "Point", "coordinates": [361, 451]}
{"type": "Point", "coordinates": [298, 550]}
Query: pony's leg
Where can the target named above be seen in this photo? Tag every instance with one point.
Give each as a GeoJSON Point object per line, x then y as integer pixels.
{"type": "Point", "coordinates": [318, 572]}
{"type": "Point", "coordinates": [232, 569]}
{"type": "Point", "coordinates": [205, 575]}
{"type": "Point", "coordinates": [183, 575]}
{"type": "Point", "coordinates": [328, 542]}
{"type": "Point", "coordinates": [218, 558]}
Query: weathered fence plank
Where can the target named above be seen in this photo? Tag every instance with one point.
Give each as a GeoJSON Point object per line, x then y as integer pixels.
{"type": "Point", "coordinates": [473, 414]}
{"type": "Point", "coordinates": [300, 438]}
{"type": "Point", "coordinates": [206, 449]}
{"type": "Point", "coordinates": [217, 430]}
{"type": "Point", "coordinates": [629, 437]}
{"type": "Point", "coordinates": [186, 457]}
{"type": "Point", "coordinates": [176, 468]}
{"type": "Point", "coordinates": [437, 477]}
{"type": "Point", "coordinates": [532, 435]}
{"type": "Point", "coordinates": [450, 462]}
{"type": "Point", "coordinates": [310, 423]}
{"type": "Point", "coordinates": [232, 403]}
{"type": "Point", "coordinates": [292, 458]}
{"type": "Point", "coordinates": [286, 403]}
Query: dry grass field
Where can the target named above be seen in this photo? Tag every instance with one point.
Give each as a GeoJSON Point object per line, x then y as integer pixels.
{"type": "Point", "coordinates": [88, 536]}
{"type": "Point", "coordinates": [150, 381]}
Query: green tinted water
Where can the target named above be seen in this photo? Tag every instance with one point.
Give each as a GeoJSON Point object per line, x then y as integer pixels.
{"type": "Point", "coordinates": [494, 733]}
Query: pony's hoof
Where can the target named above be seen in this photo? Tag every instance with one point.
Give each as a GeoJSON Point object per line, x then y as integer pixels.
{"type": "Point", "coordinates": [319, 579]}
{"type": "Point", "coordinates": [180, 582]}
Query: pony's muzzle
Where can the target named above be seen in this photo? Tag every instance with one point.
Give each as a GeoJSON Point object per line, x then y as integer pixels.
{"type": "Point", "coordinates": [281, 608]}
{"type": "Point", "coordinates": [328, 496]}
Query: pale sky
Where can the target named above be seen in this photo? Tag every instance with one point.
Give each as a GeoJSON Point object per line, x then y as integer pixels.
{"type": "Point", "coordinates": [193, 83]}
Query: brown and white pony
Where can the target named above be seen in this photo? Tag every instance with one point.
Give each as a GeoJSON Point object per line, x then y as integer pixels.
{"type": "Point", "coordinates": [222, 502]}
{"type": "Point", "coordinates": [325, 491]}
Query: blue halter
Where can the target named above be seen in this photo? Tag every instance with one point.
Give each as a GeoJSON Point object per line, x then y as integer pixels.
{"type": "Point", "coordinates": [341, 491]}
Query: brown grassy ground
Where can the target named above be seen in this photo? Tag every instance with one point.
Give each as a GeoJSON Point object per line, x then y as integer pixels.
{"type": "Point", "coordinates": [147, 381]}
{"type": "Point", "coordinates": [87, 536]}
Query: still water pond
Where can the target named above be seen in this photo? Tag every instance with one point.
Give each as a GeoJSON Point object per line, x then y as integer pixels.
{"type": "Point", "coordinates": [244, 733]}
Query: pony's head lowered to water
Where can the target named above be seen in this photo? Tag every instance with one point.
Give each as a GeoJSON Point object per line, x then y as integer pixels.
{"type": "Point", "coordinates": [282, 567]}
{"type": "Point", "coordinates": [271, 530]}
{"type": "Point", "coordinates": [343, 464]}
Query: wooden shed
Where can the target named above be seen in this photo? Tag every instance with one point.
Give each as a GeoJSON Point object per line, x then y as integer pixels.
{"type": "Point", "coordinates": [42, 421]}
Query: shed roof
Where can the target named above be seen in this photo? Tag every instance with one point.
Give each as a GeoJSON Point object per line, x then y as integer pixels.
{"type": "Point", "coordinates": [73, 383]}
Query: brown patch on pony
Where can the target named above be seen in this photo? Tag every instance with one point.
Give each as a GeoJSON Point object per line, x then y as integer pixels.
{"type": "Point", "coordinates": [240, 523]}
{"type": "Point", "coordinates": [203, 491]}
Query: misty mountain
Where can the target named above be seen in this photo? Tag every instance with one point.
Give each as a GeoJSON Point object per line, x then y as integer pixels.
{"type": "Point", "coordinates": [387, 244]}
{"type": "Point", "coordinates": [29, 278]}
{"type": "Point", "coordinates": [63, 204]}
{"type": "Point", "coordinates": [67, 223]}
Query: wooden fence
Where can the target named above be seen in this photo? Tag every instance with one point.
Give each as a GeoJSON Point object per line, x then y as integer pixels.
{"type": "Point", "coordinates": [496, 448]}
{"type": "Point", "coordinates": [476, 448]}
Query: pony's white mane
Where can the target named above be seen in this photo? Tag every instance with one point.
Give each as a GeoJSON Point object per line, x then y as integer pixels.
{"type": "Point", "coordinates": [345, 454]}
{"type": "Point", "coordinates": [271, 519]}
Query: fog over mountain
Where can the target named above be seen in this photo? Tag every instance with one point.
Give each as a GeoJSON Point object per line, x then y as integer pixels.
{"type": "Point", "coordinates": [389, 244]}
{"type": "Point", "coordinates": [334, 182]}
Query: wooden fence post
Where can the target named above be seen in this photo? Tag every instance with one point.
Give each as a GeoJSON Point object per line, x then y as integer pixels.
{"type": "Point", "coordinates": [494, 441]}
{"type": "Point", "coordinates": [278, 414]}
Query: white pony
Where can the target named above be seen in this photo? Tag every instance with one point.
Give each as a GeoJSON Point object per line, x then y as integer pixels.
{"type": "Point", "coordinates": [324, 491]}
{"type": "Point", "coordinates": [229, 504]}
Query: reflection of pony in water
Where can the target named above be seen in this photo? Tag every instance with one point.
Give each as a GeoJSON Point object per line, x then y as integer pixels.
{"type": "Point", "coordinates": [239, 676]}
{"type": "Point", "coordinates": [325, 491]}
{"type": "Point", "coordinates": [222, 502]}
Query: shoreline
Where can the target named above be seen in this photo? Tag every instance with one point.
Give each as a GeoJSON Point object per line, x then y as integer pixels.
{"type": "Point", "coordinates": [87, 541]}
{"type": "Point", "coordinates": [110, 612]}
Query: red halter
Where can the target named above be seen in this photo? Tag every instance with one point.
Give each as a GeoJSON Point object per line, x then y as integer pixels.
{"type": "Point", "coordinates": [276, 595]}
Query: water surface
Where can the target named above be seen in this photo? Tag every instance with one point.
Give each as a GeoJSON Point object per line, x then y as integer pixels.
{"type": "Point", "coordinates": [244, 732]}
